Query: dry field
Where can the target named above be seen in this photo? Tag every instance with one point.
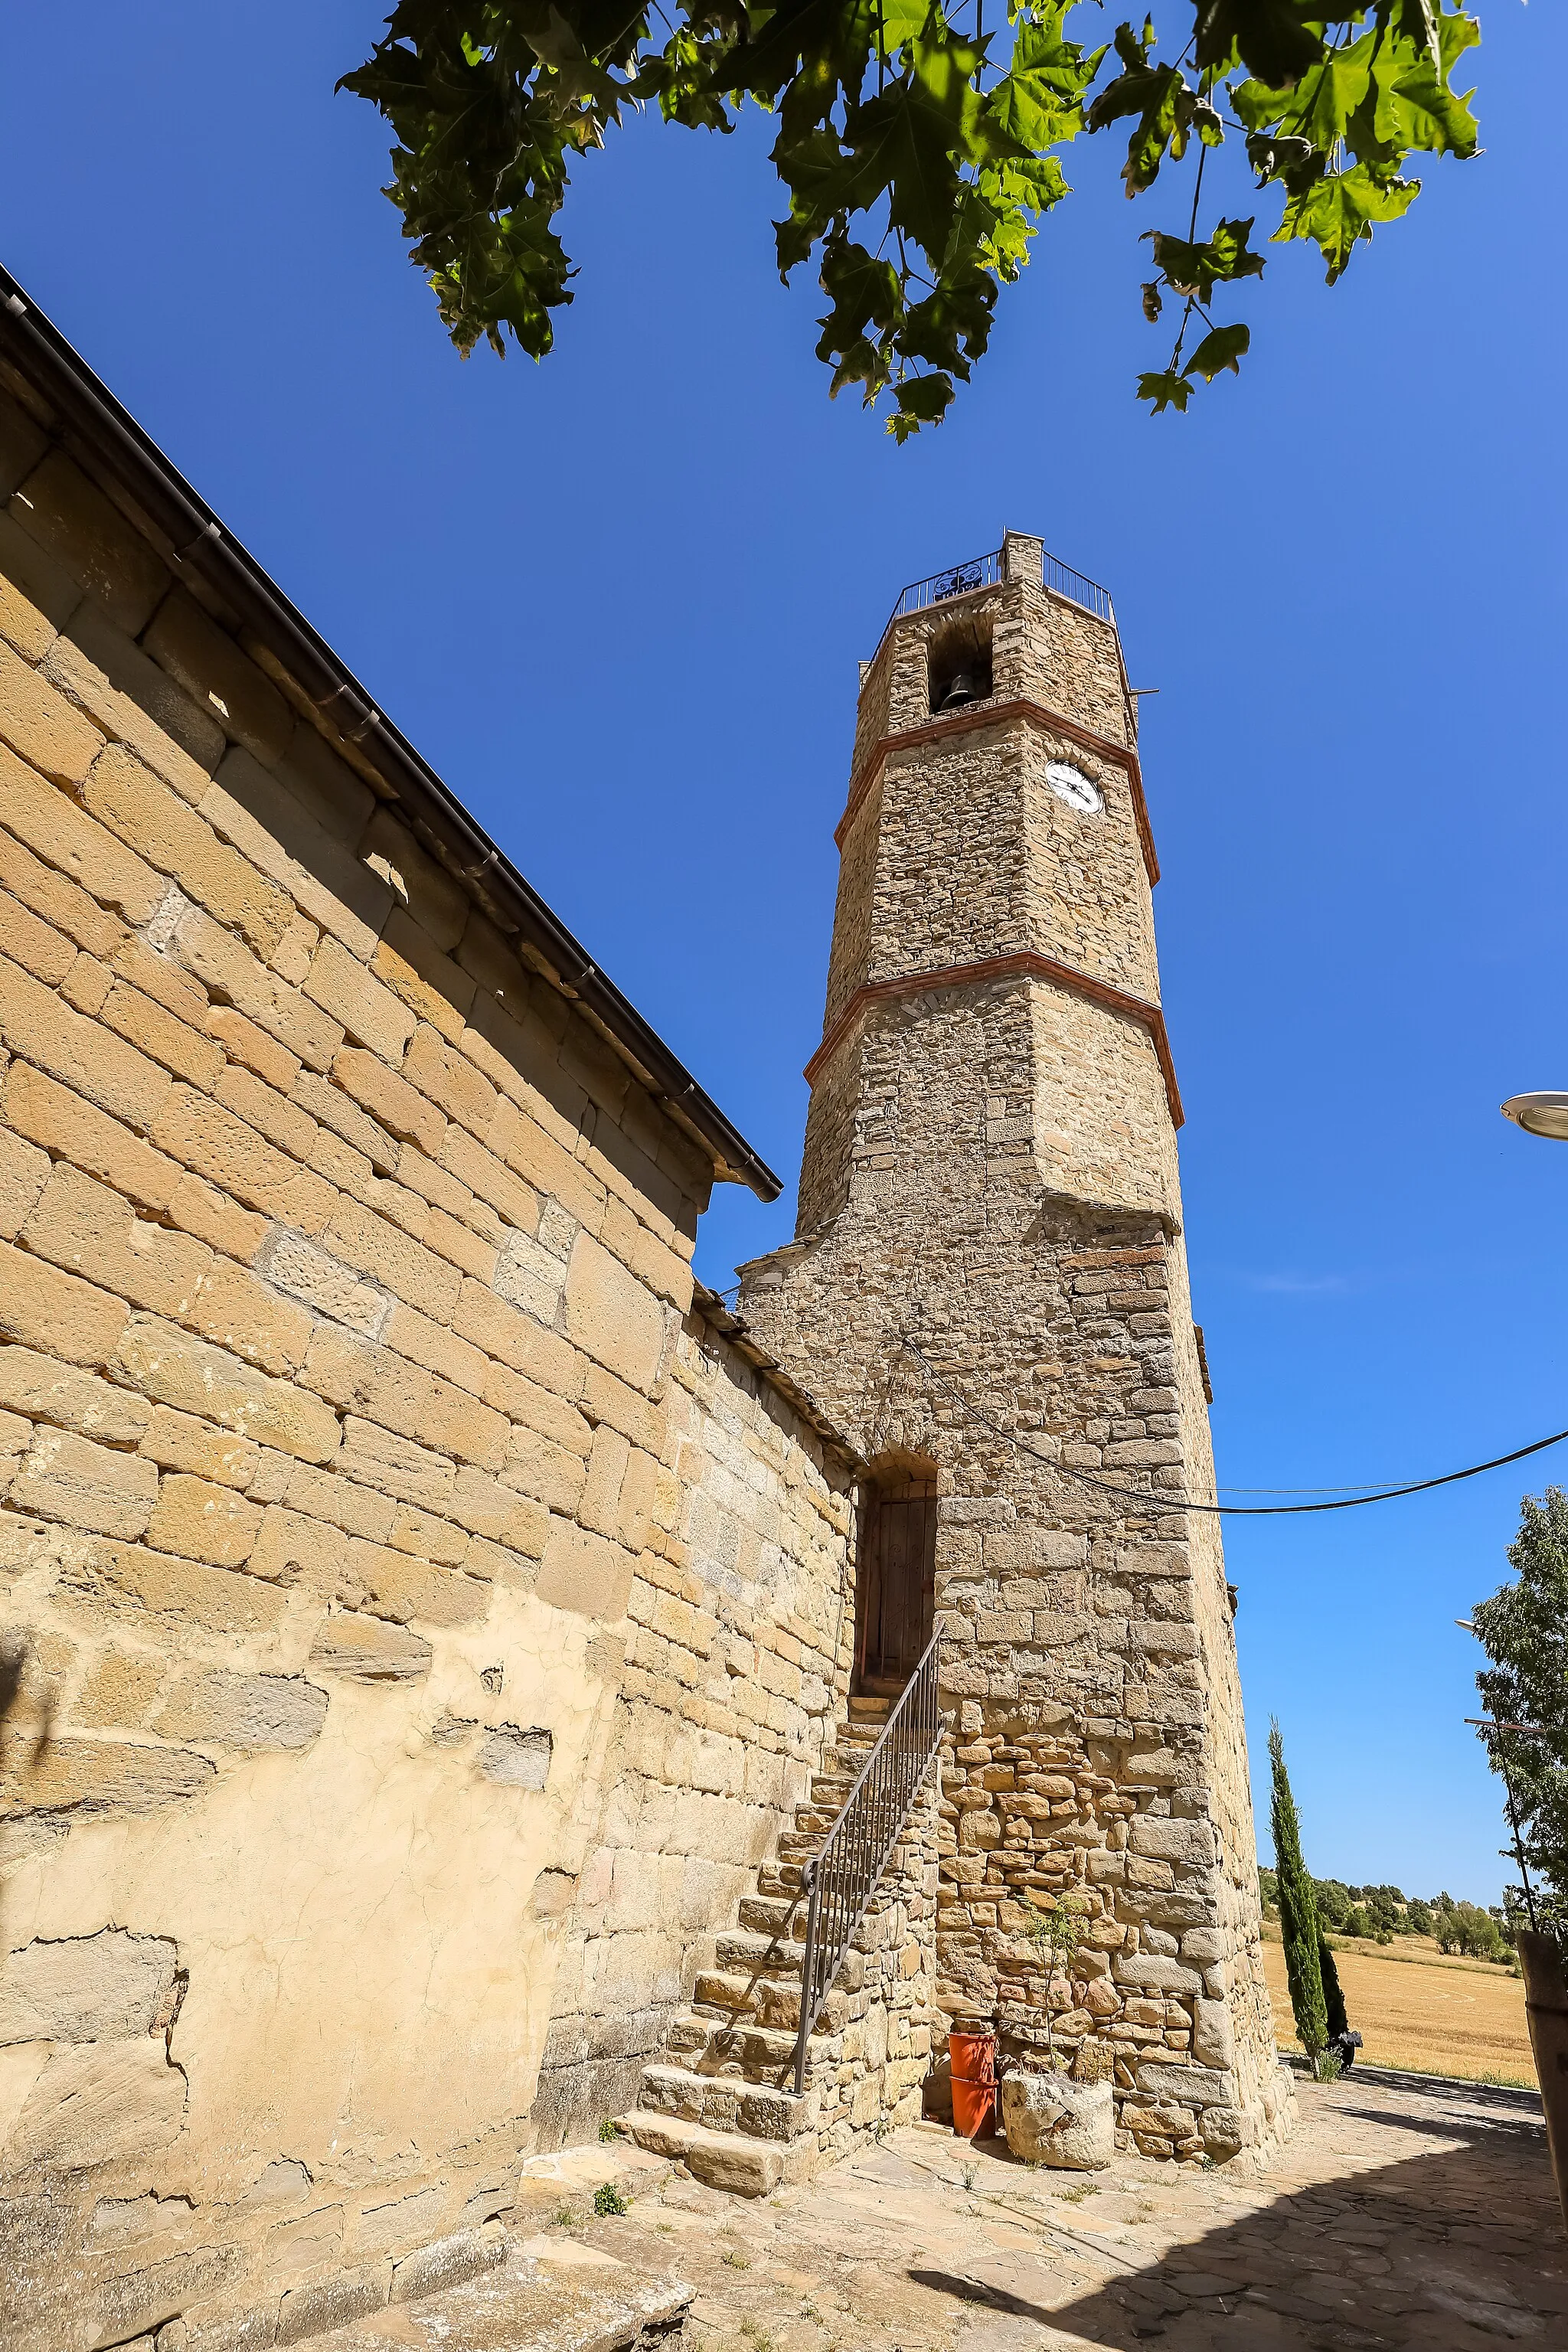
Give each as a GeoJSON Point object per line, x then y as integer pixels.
{"type": "Point", "coordinates": [1414, 2008]}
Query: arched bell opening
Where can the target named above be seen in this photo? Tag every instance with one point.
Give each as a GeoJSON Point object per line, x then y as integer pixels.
{"type": "Point", "coordinates": [958, 663]}
{"type": "Point", "coordinates": [895, 1591]}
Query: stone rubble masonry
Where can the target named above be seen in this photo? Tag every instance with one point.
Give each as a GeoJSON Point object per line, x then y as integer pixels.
{"type": "Point", "coordinates": [720, 2096]}
{"type": "Point", "coordinates": [991, 1171]}
{"type": "Point", "coordinates": [424, 1616]}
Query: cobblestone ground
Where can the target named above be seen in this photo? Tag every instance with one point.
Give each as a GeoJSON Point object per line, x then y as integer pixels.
{"type": "Point", "coordinates": [1403, 2214]}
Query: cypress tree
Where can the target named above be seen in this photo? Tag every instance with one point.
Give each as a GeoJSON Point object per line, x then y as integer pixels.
{"type": "Point", "coordinates": [1333, 1999]}
{"type": "Point", "coordinates": [1298, 1908]}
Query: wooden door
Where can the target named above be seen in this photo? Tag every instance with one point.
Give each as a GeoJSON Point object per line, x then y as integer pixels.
{"type": "Point", "coordinates": [897, 1587]}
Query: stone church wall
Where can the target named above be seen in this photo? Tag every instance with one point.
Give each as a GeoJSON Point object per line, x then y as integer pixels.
{"type": "Point", "coordinates": [415, 1616]}
{"type": "Point", "coordinates": [737, 1663]}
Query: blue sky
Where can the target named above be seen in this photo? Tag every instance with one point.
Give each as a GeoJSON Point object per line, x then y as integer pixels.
{"type": "Point", "coordinates": [618, 600]}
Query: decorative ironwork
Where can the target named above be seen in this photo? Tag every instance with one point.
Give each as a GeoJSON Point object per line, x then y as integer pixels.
{"type": "Point", "coordinates": [846, 1875]}
{"type": "Point", "coordinates": [958, 580]}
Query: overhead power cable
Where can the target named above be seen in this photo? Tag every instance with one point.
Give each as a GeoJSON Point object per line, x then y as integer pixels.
{"type": "Point", "coordinates": [1150, 1501]}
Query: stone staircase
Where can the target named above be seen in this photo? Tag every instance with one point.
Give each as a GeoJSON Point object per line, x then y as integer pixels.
{"type": "Point", "coordinates": [721, 2098]}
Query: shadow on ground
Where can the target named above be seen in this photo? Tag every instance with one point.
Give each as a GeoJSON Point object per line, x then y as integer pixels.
{"type": "Point", "coordinates": [1445, 2252]}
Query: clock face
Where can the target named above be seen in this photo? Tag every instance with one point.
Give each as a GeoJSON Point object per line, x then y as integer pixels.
{"type": "Point", "coordinates": [1071, 784]}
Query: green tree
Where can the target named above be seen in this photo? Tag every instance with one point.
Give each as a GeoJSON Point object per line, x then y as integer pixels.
{"type": "Point", "coordinates": [1384, 1908]}
{"type": "Point", "coordinates": [1298, 1908]}
{"type": "Point", "coordinates": [1523, 1629]}
{"type": "Point", "coordinates": [1333, 1999]}
{"type": "Point", "coordinates": [1420, 1918]}
{"type": "Point", "coordinates": [918, 144]}
{"type": "Point", "coordinates": [1053, 1939]}
{"type": "Point", "coordinates": [1333, 1902]}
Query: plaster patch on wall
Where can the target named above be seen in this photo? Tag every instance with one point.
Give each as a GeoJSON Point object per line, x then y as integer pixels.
{"type": "Point", "coordinates": [251, 1711]}
{"type": "Point", "coordinates": [516, 1759]}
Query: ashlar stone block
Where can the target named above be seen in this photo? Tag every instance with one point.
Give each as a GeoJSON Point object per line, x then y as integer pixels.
{"type": "Point", "coordinates": [110, 1987]}
{"type": "Point", "coordinates": [612, 1317]}
{"type": "Point", "coordinates": [102, 2102]}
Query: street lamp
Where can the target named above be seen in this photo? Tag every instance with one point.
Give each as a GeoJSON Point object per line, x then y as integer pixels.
{"type": "Point", "coordinates": [1540, 1115]}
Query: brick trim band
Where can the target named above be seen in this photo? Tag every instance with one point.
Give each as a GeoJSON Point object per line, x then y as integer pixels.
{"type": "Point", "coordinates": [999, 714]}
{"type": "Point", "coordinates": [1025, 964]}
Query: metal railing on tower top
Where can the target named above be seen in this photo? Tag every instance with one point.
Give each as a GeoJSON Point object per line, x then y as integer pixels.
{"type": "Point", "coordinates": [1063, 580]}
{"type": "Point", "coordinates": [840, 1883]}
{"type": "Point", "coordinates": [986, 572]}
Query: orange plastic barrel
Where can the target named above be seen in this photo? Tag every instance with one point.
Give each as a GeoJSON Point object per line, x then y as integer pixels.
{"type": "Point", "coordinates": [972, 2060]}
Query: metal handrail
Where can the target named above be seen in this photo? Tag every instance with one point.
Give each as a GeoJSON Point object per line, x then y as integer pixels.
{"type": "Point", "coordinates": [844, 1877]}
{"type": "Point", "coordinates": [986, 572]}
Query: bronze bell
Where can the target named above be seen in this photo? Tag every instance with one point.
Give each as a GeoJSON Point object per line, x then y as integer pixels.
{"type": "Point", "coordinates": [962, 691]}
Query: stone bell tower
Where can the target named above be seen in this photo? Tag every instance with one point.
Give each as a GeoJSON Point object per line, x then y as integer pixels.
{"type": "Point", "coordinates": [991, 1174]}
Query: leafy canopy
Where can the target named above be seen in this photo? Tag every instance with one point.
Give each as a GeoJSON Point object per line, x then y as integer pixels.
{"type": "Point", "coordinates": [918, 149]}
{"type": "Point", "coordinates": [1523, 1629]}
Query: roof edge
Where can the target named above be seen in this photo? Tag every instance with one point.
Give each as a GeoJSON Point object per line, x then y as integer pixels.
{"type": "Point", "coordinates": [202, 545]}
{"type": "Point", "coordinates": [737, 1331]}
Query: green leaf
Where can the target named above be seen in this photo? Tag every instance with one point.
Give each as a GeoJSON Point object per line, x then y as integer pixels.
{"type": "Point", "coordinates": [1194, 268]}
{"type": "Point", "coordinates": [915, 170]}
{"type": "Point", "coordinates": [1339, 211]}
{"type": "Point", "coordinates": [865, 292]}
{"type": "Point", "coordinates": [1270, 37]}
{"type": "Point", "coordinates": [901, 146]}
{"type": "Point", "coordinates": [1222, 346]}
{"type": "Point", "coordinates": [1415, 108]}
{"type": "Point", "coordinates": [1419, 21]}
{"type": "Point", "coordinates": [1320, 105]}
{"type": "Point", "coordinates": [827, 40]}
{"type": "Point", "coordinates": [952, 324]}
{"type": "Point", "coordinates": [1038, 103]}
{"type": "Point", "coordinates": [922, 400]}
{"type": "Point", "coordinates": [1167, 109]}
{"type": "Point", "coordinates": [1166, 391]}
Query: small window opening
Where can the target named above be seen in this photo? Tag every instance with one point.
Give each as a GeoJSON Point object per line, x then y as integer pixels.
{"type": "Point", "coordinates": [895, 1594]}
{"type": "Point", "coordinates": [958, 664]}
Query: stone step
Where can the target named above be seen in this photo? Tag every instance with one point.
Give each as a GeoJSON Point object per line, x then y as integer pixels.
{"type": "Point", "coordinates": [871, 1710]}
{"type": "Point", "coordinates": [728, 2160]}
{"type": "Point", "coordinates": [740, 1953]}
{"type": "Point", "coordinates": [568, 2178]}
{"type": "Point", "coordinates": [815, 1820]}
{"type": "Point", "coordinates": [772, 2001]}
{"type": "Point", "coordinates": [828, 1790]}
{"type": "Point", "coordinates": [749, 2050]}
{"type": "Point", "coordinates": [721, 2103]}
{"type": "Point", "coordinates": [779, 1878]}
{"type": "Point", "coordinates": [782, 1916]}
{"type": "Point", "coordinates": [546, 2296]}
